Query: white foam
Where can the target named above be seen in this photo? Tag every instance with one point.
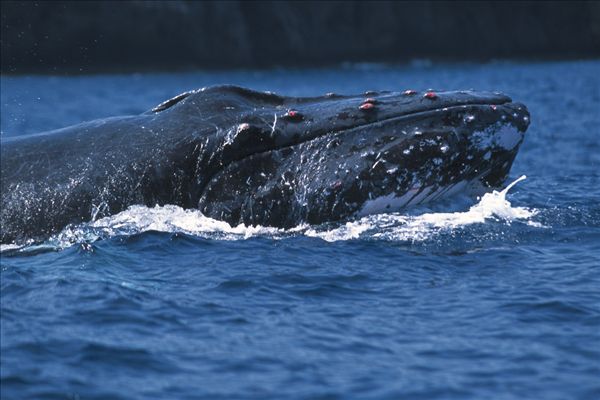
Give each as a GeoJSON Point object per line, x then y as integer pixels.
{"type": "Point", "coordinates": [7, 247]}
{"type": "Point", "coordinates": [394, 227]}
{"type": "Point", "coordinates": [417, 228]}
{"type": "Point", "coordinates": [169, 218]}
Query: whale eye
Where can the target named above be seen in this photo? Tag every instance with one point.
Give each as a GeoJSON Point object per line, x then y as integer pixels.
{"type": "Point", "coordinates": [246, 136]}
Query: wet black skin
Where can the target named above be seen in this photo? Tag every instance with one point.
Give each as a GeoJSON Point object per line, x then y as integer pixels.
{"type": "Point", "coordinates": [241, 156]}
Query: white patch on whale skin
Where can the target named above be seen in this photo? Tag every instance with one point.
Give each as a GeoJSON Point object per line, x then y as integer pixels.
{"type": "Point", "coordinates": [505, 136]}
{"type": "Point", "coordinates": [412, 197]}
{"type": "Point", "coordinates": [382, 204]}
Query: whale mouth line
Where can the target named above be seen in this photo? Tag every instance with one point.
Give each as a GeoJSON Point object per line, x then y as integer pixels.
{"type": "Point", "coordinates": [374, 123]}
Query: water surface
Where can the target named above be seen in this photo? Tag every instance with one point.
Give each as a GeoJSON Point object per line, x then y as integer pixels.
{"type": "Point", "coordinates": [492, 298]}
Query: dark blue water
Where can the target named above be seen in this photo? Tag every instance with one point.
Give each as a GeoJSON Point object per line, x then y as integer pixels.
{"type": "Point", "coordinates": [499, 299]}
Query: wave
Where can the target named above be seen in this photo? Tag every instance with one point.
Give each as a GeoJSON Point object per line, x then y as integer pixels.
{"type": "Point", "coordinates": [391, 227]}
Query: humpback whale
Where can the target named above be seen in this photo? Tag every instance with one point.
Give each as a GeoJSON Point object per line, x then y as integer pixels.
{"type": "Point", "coordinates": [252, 157]}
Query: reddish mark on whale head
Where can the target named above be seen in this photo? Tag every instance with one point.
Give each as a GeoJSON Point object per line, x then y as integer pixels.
{"type": "Point", "coordinates": [293, 115]}
{"type": "Point", "coordinates": [367, 106]}
{"type": "Point", "coordinates": [430, 95]}
{"type": "Point", "coordinates": [336, 185]}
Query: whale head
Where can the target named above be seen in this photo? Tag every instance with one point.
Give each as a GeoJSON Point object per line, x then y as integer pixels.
{"type": "Point", "coordinates": [282, 161]}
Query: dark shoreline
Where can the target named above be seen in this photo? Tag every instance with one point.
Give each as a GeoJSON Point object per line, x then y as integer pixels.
{"type": "Point", "coordinates": [67, 37]}
{"type": "Point", "coordinates": [365, 66]}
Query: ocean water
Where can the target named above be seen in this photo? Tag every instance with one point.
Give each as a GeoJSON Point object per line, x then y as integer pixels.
{"type": "Point", "coordinates": [497, 297]}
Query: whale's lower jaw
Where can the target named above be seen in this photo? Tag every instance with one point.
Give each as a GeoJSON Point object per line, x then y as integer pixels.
{"type": "Point", "coordinates": [414, 197]}
{"type": "Point", "coordinates": [418, 196]}
{"type": "Point", "coordinates": [499, 150]}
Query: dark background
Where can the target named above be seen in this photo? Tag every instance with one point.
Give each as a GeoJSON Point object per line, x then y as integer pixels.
{"type": "Point", "coordinates": [90, 36]}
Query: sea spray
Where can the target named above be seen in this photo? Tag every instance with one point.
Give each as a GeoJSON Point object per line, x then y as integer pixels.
{"type": "Point", "coordinates": [393, 227]}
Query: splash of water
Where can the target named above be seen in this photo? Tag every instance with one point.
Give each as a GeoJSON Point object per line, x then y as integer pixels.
{"type": "Point", "coordinates": [397, 227]}
{"type": "Point", "coordinates": [393, 227]}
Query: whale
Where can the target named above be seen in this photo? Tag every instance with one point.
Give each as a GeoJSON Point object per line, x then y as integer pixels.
{"type": "Point", "coordinates": [259, 158]}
